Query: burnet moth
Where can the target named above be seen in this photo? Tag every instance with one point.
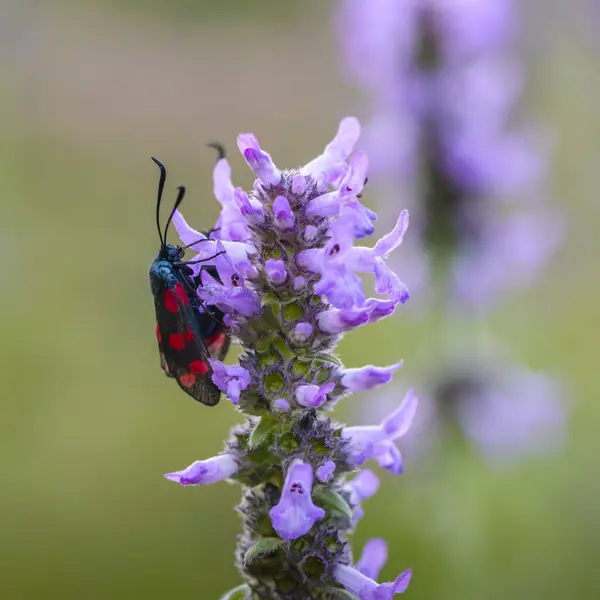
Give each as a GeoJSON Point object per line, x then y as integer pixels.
{"type": "Point", "coordinates": [187, 332]}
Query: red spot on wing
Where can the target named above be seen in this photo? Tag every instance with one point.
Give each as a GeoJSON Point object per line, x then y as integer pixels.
{"type": "Point", "coordinates": [170, 301]}
{"type": "Point", "coordinates": [199, 366]}
{"type": "Point", "coordinates": [217, 338]}
{"type": "Point", "coordinates": [176, 341]}
{"type": "Point", "coordinates": [189, 335]}
{"type": "Point", "coordinates": [180, 291]}
{"type": "Point", "coordinates": [158, 334]}
{"type": "Point", "coordinates": [188, 379]}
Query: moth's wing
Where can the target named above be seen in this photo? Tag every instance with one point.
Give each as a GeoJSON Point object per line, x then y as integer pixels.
{"type": "Point", "coordinates": [218, 344]}
{"type": "Point", "coordinates": [218, 340]}
{"type": "Point", "coordinates": [163, 361]}
{"type": "Point", "coordinates": [181, 346]}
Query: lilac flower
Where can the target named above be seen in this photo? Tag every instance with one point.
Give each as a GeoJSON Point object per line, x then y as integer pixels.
{"type": "Point", "coordinates": [339, 260]}
{"type": "Point", "coordinates": [341, 320]}
{"type": "Point", "coordinates": [295, 513]}
{"type": "Point", "coordinates": [332, 162]}
{"type": "Point", "coordinates": [376, 441]}
{"type": "Point", "coordinates": [284, 217]}
{"type": "Point", "coordinates": [325, 471]}
{"type": "Point", "coordinates": [367, 589]}
{"type": "Point", "coordinates": [363, 486]}
{"type": "Point", "coordinates": [207, 248]}
{"type": "Point", "coordinates": [258, 160]}
{"type": "Point", "coordinates": [346, 198]}
{"type": "Point", "coordinates": [230, 379]}
{"type": "Point", "coordinates": [313, 395]}
{"type": "Point", "coordinates": [366, 378]}
{"type": "Point", "coordinates": [286, 286]}
{"type": "Point", "coordinates": [301, 333]}
{"type": "Point", "coordinates": [203, 472]}
{"type": "Point", "coordinates": [231, 293]}
{"type": "Point", "coordinates": [282, 405]}
{"type": "Point", "coordinates": [275, 270]}
{"type": "Point", "coordinates": [373, 558]}
{"type": "Point", "coordinates": [249, 207]}
{"type": "Point", "coordinates": [231, 224]}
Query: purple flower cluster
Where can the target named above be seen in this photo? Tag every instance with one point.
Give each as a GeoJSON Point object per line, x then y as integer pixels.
{"type": "Point", "coordinates": [444, 78]}
{"type": "Point", "coordinates": [288, 286]}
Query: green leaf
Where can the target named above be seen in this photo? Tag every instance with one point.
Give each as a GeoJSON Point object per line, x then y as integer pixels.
{"type": "Point", "coordinates": [261, 431]}
{"type": "Point", "coordinates": [332, 502]}
{"type": "Point", "coordinates": [241, 592]}
{"type": "Point", "coordinates": [262, 548]}
{"type": "Point", "coordinates": [327, 358]}
{"type": "Point", "coordinates": [340, 594]}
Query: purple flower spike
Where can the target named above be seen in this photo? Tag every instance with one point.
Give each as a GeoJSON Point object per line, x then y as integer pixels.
{"type": "Point", "coordinates": [203, 472]}
{"type": "Point", "coordinates": [275, 270]}
{"type": "Point", "coordinates": [284, 217]}
{"type": "Point", "coordinates": [286, 283]}
{"type": "Point", "coordinates": [367, 378]}
{"type": "Point", "coordinates": [325, 471]}
{"type": "Point", "coordinates": [367, 589]}
{"type": "Point", "coordinates": [373, 558]}
{"type": "Point", "coordinates": [313, 395]}
{"type": "Point", "coordinates": [231, 379]}
{"type": "Point", "coordinates": [258, 160]}
{"type": "Point", "coordinates": [302, 333]}
{"type": "Point", "coordinates": [295, 513]}
{"type": "Point", "coordinates": [376, 441]}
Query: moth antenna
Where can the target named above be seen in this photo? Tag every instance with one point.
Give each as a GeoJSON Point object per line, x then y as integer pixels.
{"type": "Point", "coordinates": [178, 201]}
{"type": "Point", "coordinates": [219, 148]}
{"type": "Point", "coordinates": [206, 239]}
{"type": "Point", "coordinates": [161, 187]}
{"type": "Point", "coordinates": [201, 260]}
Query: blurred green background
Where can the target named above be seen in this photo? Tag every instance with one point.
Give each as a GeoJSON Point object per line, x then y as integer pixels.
{"type": "Point", "coordinates": [90, 90]}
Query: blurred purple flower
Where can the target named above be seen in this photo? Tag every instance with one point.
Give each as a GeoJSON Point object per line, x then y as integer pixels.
{"type": "Point", "coordinates": [373, 558]}
{"type": "Point", "coordinates": [426, 65]}
{"type": "Point", "coordinates": [507, 412]}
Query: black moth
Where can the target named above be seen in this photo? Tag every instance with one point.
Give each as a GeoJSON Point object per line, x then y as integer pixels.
{"type": "Point", "coordinates": [187, 335]}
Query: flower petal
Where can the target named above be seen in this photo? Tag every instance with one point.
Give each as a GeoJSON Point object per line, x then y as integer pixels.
{"type": "Point", "coordinates": [295, 514]}
{"type": "Point", "coordinates": [203, 472]}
